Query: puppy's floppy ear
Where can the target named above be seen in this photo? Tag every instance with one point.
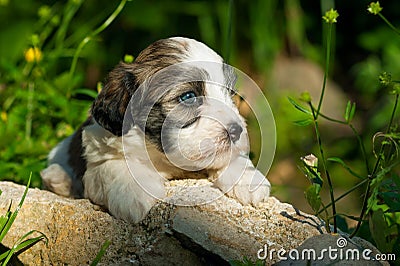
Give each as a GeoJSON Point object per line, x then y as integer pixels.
{"type": "Point", "coordinates": [109, 107]}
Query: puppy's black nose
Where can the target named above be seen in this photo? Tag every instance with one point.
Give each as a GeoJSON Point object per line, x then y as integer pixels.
{"type": "Point", "coordinates": [234, 131]}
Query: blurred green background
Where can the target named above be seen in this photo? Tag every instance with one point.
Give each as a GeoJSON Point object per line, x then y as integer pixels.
{"type": "Point", "coordinates": [279, 43]}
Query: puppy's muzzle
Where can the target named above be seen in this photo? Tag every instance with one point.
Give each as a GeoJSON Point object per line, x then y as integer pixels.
{"type": "Point", "coordinates": [234, 131]}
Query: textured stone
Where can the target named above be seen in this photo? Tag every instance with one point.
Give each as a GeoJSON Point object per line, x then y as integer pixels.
{"type": "Point", "coordinates": [215, 232]}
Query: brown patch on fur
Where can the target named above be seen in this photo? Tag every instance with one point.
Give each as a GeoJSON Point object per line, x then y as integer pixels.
{"type": "Point", "coordinates": [159, 55]}
{"type": "Point", "coordinates": [109, 107]}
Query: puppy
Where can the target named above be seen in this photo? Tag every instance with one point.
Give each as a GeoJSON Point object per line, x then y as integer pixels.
{"type": "Point", "coordinates": [169, 114]}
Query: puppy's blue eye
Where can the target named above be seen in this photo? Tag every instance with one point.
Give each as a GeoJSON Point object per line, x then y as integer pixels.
{"type": "Point", "coordinates": [188, 97]}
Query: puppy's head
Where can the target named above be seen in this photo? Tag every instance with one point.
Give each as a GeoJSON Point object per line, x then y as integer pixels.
{"type": "Point", "coordinates": [179, 93]}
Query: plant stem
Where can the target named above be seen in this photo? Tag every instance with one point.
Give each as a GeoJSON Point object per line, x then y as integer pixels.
{"type": "Point", "coordinates": [88, 38]}
{"type": "Point", "coordinates": [69, 12]}
{"type": "Point", "coordinates": [373, 174]}
{"type": "Point", "coordinates": [328, 55]}
{"type": "Point", "coordinates": [315, 116]}
{"type": "Point", "coordinates": [389, 24]}
{"type": "Point", "coordinates": [396, 102]}
{"type": "Point", "coordinates": [343, 195]}
{"type": "Point", "coordinates": [360, 142]}
{"type": "Point", "coordinates": [29, 108]}
{"type": "Point", "coordinates": [333, 119]}
{"type": "Point", "coordinates": [363, 209]}
{"type": "Point", "coordinates": [228, 41]}
{"type": "Point", "coordinates": [321, 150]}
{"type": "Point", "coordinates": [326, 220]}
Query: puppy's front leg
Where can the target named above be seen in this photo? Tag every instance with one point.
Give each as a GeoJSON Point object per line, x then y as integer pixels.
{"type": "Point", "coordinates": [130, 198]}
{"type": "Point", "coordinates": [241, 180]}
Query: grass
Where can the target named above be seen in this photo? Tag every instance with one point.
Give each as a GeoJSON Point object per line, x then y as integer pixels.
{"type": "Point", "coordinates": [25, 241]}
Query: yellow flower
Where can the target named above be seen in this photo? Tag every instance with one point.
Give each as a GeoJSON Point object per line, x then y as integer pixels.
{"type": "Point", "coordinates": [99, 86]}
{"type": "Point", "coordinates": [331, 16]}
{"type": "Point", "coordinates": [374, 8]}
{"type": "Point", "coordinates": [128, 58]}
{"type": "Point", "coordinates": [33, 55]}
{"type": "Point", "coordinates": [3, 116]}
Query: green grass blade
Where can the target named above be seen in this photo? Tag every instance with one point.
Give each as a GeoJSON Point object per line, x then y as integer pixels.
{"type": "Point", "coordinates": [22, 244]}
{"type": "Point", "coordinates": [4, 219]}
{"type": "Point", "coordinates": [101, 253]}
{"type": "Point", "coordinates": [4, 255]}
{"type": "Point", "coordinates": [87, 92]}
{"type": "Point", "coordinates": [14, 214]}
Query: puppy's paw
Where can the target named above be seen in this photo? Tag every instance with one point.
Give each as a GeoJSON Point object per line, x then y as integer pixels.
{"type": "Point", "coordinates": [252, 188]}
{"type": "Point", "coordinates": [56, 179]}
{"type": "Point", "coordinates": [128, 207]}
{"type": "Point", "coordinates": [242, 181]}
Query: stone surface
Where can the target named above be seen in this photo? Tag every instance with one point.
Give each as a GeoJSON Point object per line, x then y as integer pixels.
{"type": "Point", "coordinates": [211, 233]}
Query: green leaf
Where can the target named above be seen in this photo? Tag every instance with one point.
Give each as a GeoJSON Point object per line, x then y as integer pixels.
{"type": "Point", "coordinates": [313, 197]}
{"type": "Point", "coordinates": [396, 180]}
{"type": "Point", "coordinates": [298, 106]}
{"type": "Point", "coordinates": [390, 193]}
{"type": "Point", "coordinates": [380, 231]}
{"type": "Point", "coordinates": [4, 219]}
{"type": "Point", "coordinates": [345, 166]}
{"type": "Point", "coordinates": [347, 112]}
{"type": "Point", "coordinates": [303, 122]}
{"type": "Point", "coordinates": [350, 111]}
{"type": "Point", "coordinates": [6, 222]}
{"type": "Point", "coordinates": [87, 92]}
{"type": "Point", "coordinates": [235, 263]}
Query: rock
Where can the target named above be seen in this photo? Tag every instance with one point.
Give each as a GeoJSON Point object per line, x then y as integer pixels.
{"type": "Point", "coordinates": [182, 234]}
